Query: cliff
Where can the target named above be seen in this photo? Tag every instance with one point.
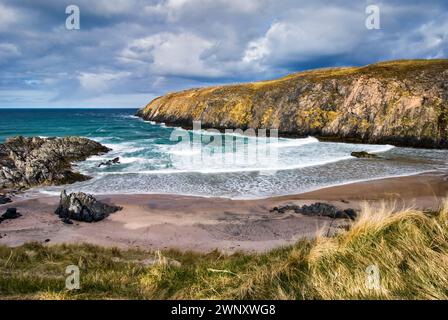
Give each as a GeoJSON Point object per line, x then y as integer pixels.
{"type": "Point", "coordinates": [399, 102]}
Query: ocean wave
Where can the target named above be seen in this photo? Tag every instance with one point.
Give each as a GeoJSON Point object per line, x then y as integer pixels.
{"type": "Point", "coordinates": [383, 148]}
{"type": "Point", "coordinates": [287, 143]}
{"type": "Point", "coordinates": [236, 190]}
{"type": "Point", "coordinates": [124, 147]}
{"type": "Point", "coordinates": [129, 116]}
{"type": "Point", "coordinates": [184, 158]}
{"type": "Point", "coordinates": [185, 152]}
{"type": "Point", "coordinates": [130, 160]}
{"type": "Point", "coordinates": [217, 170]}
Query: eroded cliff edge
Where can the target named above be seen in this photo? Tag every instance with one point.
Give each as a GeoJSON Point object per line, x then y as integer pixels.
{"type": "Point", "coordinates": [399, 102]}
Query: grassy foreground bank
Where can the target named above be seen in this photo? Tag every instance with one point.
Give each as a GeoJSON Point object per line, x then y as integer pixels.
{"type": "Point", "coordinates": [408, 248]}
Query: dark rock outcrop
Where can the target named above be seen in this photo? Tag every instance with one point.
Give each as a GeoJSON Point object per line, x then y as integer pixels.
{"type": "Point", "coordinates": [4, 199]}
{"type": "Point", "coordinates": [29, 162]}
{"type": "Point", "coordinates": [11, 213]}
{"type": "Point", "coordinates": [363, 154]}
{"type": "Point", "coordinates": [398, 102]}
{"type": "Point", "coordinates": [109, 162]}
{"type": "Point", "coordinates": [83, 207]}
{"type": "Point", "coordinates": [318, 209]}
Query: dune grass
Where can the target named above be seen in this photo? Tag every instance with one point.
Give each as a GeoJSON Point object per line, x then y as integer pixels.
{"type": "Point", "coordinates": [409, 248]}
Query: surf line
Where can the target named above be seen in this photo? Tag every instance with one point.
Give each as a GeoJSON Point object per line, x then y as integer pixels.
{"type": "Point", "coordinates": [182, 310]}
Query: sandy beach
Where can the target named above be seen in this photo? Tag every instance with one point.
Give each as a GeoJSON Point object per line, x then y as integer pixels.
{"type": "Point", "coordinates": [153, 222]}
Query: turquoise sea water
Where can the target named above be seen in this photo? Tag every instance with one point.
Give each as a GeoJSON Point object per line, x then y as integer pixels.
{"type": "Point", "coordinates": [209, 164]}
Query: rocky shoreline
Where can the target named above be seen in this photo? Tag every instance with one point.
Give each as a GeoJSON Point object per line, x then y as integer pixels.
{"type": "Point", "coordinates": [32, 162]}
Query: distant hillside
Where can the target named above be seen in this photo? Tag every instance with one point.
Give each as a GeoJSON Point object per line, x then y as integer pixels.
{"type": "Point", "coordinates": [399, 102]}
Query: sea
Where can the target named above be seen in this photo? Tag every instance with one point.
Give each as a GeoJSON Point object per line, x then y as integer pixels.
{"type": "Point", "coordinates": [157, 159]}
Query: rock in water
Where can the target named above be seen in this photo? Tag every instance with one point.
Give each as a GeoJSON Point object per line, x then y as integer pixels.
{"type": "Point", "coordinates": [29, 162]}
{"type": "Point", "coordinates": [83, 207]}
{"type": "Point", "coordinates": [109, 162]}
{"type": "Point", "coordinates": [4, 199]}
{"type": "Point", "coordinates": [363, 154]}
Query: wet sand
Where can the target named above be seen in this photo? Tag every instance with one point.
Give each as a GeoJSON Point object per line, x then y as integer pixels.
{"type": "Point", "coordinates": [154, 222]}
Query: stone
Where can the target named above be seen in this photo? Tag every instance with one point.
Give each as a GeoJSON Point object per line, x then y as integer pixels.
{"type": "Point", "coordinates": [67, 221]}
{"type": "Point", "coordinates": [80, 206]}
{"type": "Point", "coordinates": [363, 154]}
{"type": "Point", "coordinates": [318, 209]}
{"type": "Point", "coordinates": [109, 162]}
{"type": "Point", "coordinates": [30, 162]}
{"type": "Point", "coordinates": [11, 213]}
{"type": "Point", "coordinates": [4, 199]}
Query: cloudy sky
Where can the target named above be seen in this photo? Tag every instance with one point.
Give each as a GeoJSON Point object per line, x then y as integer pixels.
{"type": "Point", "coordinates": [127, 52]}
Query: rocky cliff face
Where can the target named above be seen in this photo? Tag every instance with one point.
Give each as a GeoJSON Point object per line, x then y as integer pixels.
{"type": "Point", "coordinates": [29, 162]}
{"type": "Point", "coordinates": [398, 102]}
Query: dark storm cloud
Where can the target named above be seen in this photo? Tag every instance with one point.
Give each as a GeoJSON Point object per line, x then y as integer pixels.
{"type": "Point", "coordinates": [129, 51]}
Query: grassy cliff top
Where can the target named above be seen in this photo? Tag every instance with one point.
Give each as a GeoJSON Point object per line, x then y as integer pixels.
{"type": "Point", "coordinates": [398, 69]}
{"type": "Point", "coordinates": [387, 69]}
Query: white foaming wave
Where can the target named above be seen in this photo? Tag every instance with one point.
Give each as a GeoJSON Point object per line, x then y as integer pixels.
{"type": "Point", "coordinates": [185, 149]}
{"type": "Point", "coordinates": [118, 149]}
{"type": "Point", "coordinates": [185, 152]}
{"type": "Point", "coordinates": [129, 116]}
{"type": "Point", "coordinates": [48, 192]}
{"type": "Point", "coordinates": [97, 158]}
{"type": "Point", "coordinates": [124, 147]}
{"type": "Point", "coordinates": [149, 121]}
{"type": "Point", "coordinates": [372, 148]}
{"type": "Point", "coordinates": [238, 194]}
{"type": "Point", "coordinates": [287, 143]}
{"type": "Point", "coordinates": [182, 165]}
{"type": "Point", "coordinates": [230, 169]}
{"type": "Point", "coordinates": [98, 139]}
{"type": "Point", "coordinates": [275, 142]}
{"type": "Point", "coordinates": [382, 148]}
{"type": "Point", "coordinates": [205, 132]}
{"type": "Point", "coordinates": [126, 160]}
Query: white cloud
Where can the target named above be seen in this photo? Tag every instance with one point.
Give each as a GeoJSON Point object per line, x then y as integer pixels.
{"type": "Point", "coordinates": [8, 17]}
{"type": "Point", "coordinates": [174, 10]}
{"type": "Point", "coordinates": [7, 51]}
{"type": "Point", "coordinates": [151, 47]}
{"type": "Point", "coordinates": [112, 7]}
{"type": "Point", "coordinates": [99, 82]}
{"type": "Point", "coordinates": [326, 32]}
{"type": "Point", "coordinates": [169, 54]}
{"type": "Point", "coordinates": [429, 41]}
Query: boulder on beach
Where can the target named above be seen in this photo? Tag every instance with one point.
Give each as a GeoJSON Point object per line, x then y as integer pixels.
{"type": "Point", "coordinates": [4, 199]}
{"type": "Point", "coordinates": [318, 209]}
{"type": "Point", "coordinates": [11, 213]}
{"type": "Point", "coordinates": [83, 207]}
{"type": "Point", "coordinates": [363, 154]}
{"type": "Point", "coordinates": [30, 162]}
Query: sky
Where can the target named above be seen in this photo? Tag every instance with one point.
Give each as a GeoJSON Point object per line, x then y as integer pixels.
{"type": "Point", "coordinates": [127, 52]}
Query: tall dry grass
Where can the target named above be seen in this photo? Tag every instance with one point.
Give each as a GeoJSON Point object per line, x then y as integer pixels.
{"type": "Point", "coordinates": [408, 248]}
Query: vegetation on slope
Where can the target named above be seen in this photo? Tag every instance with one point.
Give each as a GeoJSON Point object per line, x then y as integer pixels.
{"type": "Point", "coordinates": [410, 249]}
{"type": "Point", "coordinates": [402, 102]}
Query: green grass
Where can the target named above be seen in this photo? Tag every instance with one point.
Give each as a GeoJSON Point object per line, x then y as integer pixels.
{"type": "Point", "coordinates": [410, 248]}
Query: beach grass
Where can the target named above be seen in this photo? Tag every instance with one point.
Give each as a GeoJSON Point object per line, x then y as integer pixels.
{"type": "Point", "coordinates": [385, 254]}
